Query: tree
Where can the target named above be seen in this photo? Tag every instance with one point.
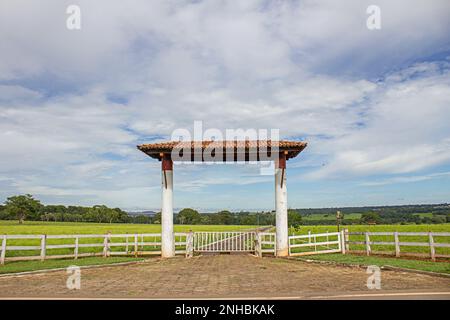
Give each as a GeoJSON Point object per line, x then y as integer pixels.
{"type": "Point", "coordinates": [142, 218]}
{"type": "Point", "coordinates": [157, 218]}
{"type": "Point", "coordinates": [3, 214]}
{"type": "Point", "coordinates": [205, 219]}
{"type": "Point", "coordinates": [370, 218]}
{"type": "Point", "coordinates": [22, 206]}
{"type": "Point", "coordinates": [294, 218]}
{"type": "Point", "coordinates": [438, 219]}
{"type": "Point", "coordinates": [223, 217]}
{"type": "Point", "coordinates": [112, 215]}
{"type": "Point", "coordinates": [189, 216]}
{"type": "Point", "coordinates": [99, 213]}
{"type": "Point", "coordinates": [122, 215]}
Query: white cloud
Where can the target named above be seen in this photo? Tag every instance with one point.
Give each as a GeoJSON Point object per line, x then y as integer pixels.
{"type": "Point", "coordinates": [406, 179]}
{"type": "Point", "coordinates": [73, 104]}
{"type": "Point", "coordinates": [405, 130]}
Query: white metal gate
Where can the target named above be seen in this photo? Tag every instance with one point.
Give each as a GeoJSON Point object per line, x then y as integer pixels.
{"type": "Point", "coordinates": [243, 241]}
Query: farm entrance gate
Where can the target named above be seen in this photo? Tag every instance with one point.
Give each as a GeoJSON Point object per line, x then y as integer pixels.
{"type": "Point", "coordinates": [279, 152]}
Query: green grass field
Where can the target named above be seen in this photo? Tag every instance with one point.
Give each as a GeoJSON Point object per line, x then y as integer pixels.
{"type": "Point", "coordinates": [38, 227]}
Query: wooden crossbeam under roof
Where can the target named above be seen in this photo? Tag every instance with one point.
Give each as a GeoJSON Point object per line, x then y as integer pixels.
{"type": "Point", "coordinates": [242, 149]}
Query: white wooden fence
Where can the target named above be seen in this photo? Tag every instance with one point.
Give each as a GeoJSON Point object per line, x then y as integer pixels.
{"type": "Point", "coordinates": [127, 244]}
{"type": "Point", "coordinates": [265, 243]}
{"type": "Point", "coordinates": [75, 246]}
{"type": "Point", "coordinates": [397, 244]}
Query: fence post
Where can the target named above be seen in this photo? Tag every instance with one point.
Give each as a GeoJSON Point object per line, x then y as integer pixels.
{"type": "Point", "coordinates": [367, 244]}
{"type": "Point", "coordinates": [397, 244]}
{"type": "Point", "coordinates": [3, 254]}
{"type": "Point", "coordinates": [342, 241]}
{"type": "Point", "coordinates": [106, 248]}
{"type": "Point", "coordinates": [192, 242]}
{"type": "Point", "coordinates": [135, 245]}
{"type": "Point", "coordinates": [76, 248]}
{"type": "Point", "coordinates": [289, 246]}
{"type": "Point", "coordinates": [274, 245]}
{"type": "Point", "coordinates": [309, 236]}
{"type": "Point", "coordinates": [328, 239]}
{"type": "Point", "coordinates": [126, 246]}
{"type": "Point", "coordinates": [43, 243]}
{"type": "Point", "coordinates": [346, 240]}
{"type": "Point", "coordinates": [258, 244]}
{"type": "Point", "coordinates": [432, 250]}
{"type": "Point", "coordinates": [190, 245]}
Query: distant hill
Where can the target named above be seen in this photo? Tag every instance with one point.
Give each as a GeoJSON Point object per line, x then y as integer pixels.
{"type": "Point", "coordinates": [442, 208]}
{"type": "Point", "coordinates": [141, 213]}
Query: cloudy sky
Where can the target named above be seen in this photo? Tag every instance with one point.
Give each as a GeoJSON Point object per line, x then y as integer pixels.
{"type": "Point", "coordinates": [374, 105]}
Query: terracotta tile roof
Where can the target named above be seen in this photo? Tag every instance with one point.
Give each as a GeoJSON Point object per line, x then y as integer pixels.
{"type": "Point", "coordinates": [293, 148]}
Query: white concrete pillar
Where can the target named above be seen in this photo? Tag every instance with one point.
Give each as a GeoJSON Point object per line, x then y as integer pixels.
{"type": "Point", "coordinates": [167, 235]}
{"type": "Point", "coordinates": [281, 207]}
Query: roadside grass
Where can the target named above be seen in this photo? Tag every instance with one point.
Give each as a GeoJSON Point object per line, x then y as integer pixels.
{"type": "Point", "coordinates": [441, 267]}
{"type": "Point", "coordinates": [23, 266]}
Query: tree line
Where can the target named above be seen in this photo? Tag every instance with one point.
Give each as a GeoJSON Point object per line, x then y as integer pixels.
{"type": "Point", "coordinates": [405, 214]}
{"type": "Point", "coordinates": [26, 207]}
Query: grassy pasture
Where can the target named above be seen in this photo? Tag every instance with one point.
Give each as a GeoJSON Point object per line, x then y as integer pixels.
{"type": "Point", "coordinates": [442, 267]}
{"type": "Point", "coordinates": [38, 227]}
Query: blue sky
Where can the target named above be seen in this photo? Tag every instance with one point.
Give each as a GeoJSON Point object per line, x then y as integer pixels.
{"type": "Point", "coordinates": [374, 105]}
